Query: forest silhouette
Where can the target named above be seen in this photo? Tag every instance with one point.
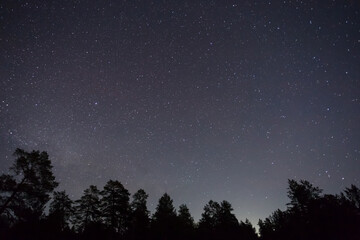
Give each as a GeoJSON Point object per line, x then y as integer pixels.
{"type": "Point", "coordinates": [112, 213]}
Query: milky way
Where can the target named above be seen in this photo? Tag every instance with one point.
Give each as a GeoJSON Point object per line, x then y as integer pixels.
{"type": "Point", "coordinates": [201, 99]}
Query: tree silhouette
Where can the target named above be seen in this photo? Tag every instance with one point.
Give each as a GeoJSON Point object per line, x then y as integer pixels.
{"type": "Point", "coordinates": [275, 225]}
{"type": "Point", "coordinates": [87, 209]}
{"type": "Point", "coordinates": [209, 218]}
{"type": "Point", "coordinates": [301, 194]}
{"type": "Point", "coordinates": [107, 214]}
{"type": "Point", "coordinates": [227, 225]}
{"type": "Point", "coordinates": [164, 219]}
{"type": "Point", "coordinates": [226, 219]}
{"type": "Point", "coordinates": [24, 192]}
{"type": "Point", "coordinates": [61, 210]}
{"type": "Point", "coordinates": [185, 217]}
{"type": "Point", "coordinates": [140, 219]}
{"type": "Point", "coordinates": [115, 207]}
{"type": "Point", "coordinates": [311, 215]}
{"type": "Point", "coordinates": [218, 221]}
{"type": "Point", "coordinates": [185, 223]}
{"type": "Point", "coordinates": [247, 231]}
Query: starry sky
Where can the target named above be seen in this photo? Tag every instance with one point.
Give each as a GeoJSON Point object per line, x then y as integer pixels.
{"type": "Point", "coordinates": [201, 99]}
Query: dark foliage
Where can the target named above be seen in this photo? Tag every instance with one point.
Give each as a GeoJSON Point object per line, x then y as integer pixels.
{"type": "Point", "coordinates": [60, 211]}
{"type": "Point", "coordinates": [140, 220]}
{"type": "Point", "coordinates": [87, 210]}
{"type": "Point", "coordinates": [24, 192]}
{"type": "Point", "coordinates": [218, 222]}
{"type": "Point", "coordinates": [115, 207]}
{"type": "Point", "coordinates": [185, 223]}
{"type": "Point", "coordinates": [164, 221]}
{"type": "Point", "coordinates": [311, 215]}
{"type": "Point", "coordinates": [107, 214]}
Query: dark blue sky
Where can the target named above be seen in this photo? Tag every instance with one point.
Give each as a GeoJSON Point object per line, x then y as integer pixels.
{"type": "Point", "coordinates": [201, 99]}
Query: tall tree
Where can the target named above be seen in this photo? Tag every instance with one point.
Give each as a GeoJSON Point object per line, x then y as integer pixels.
{"type": "Point", "coordinates": [314, 216]}
{"type": "Point", "coordinates": [164, 219]}
{"type": "Point", "coordinates": [228, 225]}
{"type": "Point", "coordinates": [185, 223]}
{"type": "Point", "coordinates": [301, 194]}
{"type": "Point", "coordinates": [209, 218]}
{"type": "Point", "coordinates": [185, 217]}
{"type": "Point", "coordinates": [115, 207]}
{"type": "Point", "coordinates": [140, 219]}
{"type": "Point", "coordinates": [88, 209]}
{"type": "Point", "coordinates": [218, 222]}
{"type": "Point", "coordinates": [226, 219]}
{"type": "Point", "coordinates": [60, 210]}
{"type": "Point", "coordinates": [25, 191]}
{"type": "Point", "coordinates": [209, 221]}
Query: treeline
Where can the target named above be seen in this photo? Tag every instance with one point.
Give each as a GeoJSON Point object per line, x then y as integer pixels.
{"type": "Point", "coordinates": [112, 213]}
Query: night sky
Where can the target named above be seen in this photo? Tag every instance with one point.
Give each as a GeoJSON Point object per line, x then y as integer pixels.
{"type": "Point", "coordinates": [201, 99]}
